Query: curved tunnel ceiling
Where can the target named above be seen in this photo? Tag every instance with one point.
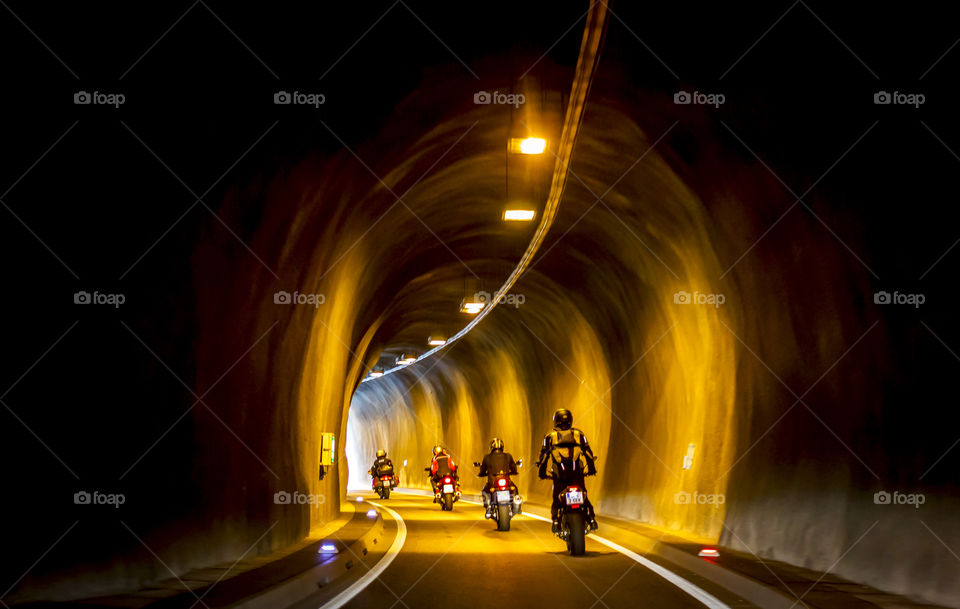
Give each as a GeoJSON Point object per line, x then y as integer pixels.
{"type": "Point", "coordinates": [657, 309]}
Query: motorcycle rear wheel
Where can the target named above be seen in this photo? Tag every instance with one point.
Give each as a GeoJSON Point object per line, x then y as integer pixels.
{"type": "Point", "coordinates": [503, 517]}
{"type": "Point", "coordinates": [448, 502]}
{"type": "Point", "coordinates": [576, 533]}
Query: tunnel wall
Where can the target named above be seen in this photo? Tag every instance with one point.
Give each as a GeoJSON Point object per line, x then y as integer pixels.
{"type": "Point", "coordinates": [772, 388]}
{"type": "Point", "coordinates": [599, 333]}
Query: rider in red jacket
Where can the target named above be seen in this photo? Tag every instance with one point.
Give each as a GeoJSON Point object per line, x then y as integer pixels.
{"type": "Point", "coordinates": [442, 465]}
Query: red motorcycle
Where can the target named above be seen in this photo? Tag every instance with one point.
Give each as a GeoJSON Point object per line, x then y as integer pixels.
{"type": "Point", "coordinates": [447, 491]}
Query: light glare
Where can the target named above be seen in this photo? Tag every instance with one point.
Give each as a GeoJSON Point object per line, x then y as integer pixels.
{"type": "Point", "coordinates": [521, 215]}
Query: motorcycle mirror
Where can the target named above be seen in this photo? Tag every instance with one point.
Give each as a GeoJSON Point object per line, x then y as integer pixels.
{"type": "Point", "coordinates": [520, 462]}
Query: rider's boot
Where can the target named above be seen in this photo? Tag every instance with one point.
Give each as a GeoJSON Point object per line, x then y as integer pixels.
{"type": "Point", "coordinates": [556, 526]}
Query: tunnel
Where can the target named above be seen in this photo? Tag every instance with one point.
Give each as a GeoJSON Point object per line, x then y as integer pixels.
{"type": "Point", "coordinates": [740, 287]}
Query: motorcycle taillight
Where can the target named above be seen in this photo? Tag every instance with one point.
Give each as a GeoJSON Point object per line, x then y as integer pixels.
{"type": "Point", "coordinates": [501, 482]}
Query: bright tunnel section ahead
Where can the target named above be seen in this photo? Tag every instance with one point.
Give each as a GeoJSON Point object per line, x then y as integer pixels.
{"type": "Point", "coordinates": [744, 300]}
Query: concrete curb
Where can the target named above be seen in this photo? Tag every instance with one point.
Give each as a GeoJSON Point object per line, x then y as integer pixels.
{"type": "Point", "coordinates": [309, 582]}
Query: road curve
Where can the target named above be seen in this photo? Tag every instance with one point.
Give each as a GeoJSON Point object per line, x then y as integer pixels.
{"type": "Point", "coordinates": [459, 559]}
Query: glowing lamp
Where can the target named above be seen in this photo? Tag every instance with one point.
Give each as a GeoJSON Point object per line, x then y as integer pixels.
{"type": "Point", "coordinates": [406, 360]}
{"type": "Point", "coordinates": [471, 306]}
{"type": "Point", "coordinates": [327, 548]}
{"type": "Point", "coordinates": [376, 373]}
{"type": "Point", "coordinates": [529, 145]}
{"type": "Point", "coordinates": [709, 553]}
{"type": "Point", "coordinates": [518, 215]}
{"type": "Point", "coordinates": [436, 341]}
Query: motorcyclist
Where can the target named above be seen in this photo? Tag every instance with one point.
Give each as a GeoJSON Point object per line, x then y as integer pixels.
{"type": "Point", "coordinates": [496, 462]}
{"type": "Point", "coordinates": [382, 466]}
{"type": "Point", "coordinates": [442, 465]}
{"type": "Point", "coordinates": [566, 451]}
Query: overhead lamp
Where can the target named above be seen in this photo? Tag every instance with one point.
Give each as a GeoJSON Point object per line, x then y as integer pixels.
{"type": "Point", "coordinates": [529, 145]}
{"type": "Point", "coordinates": [376, 373]}
{"type": "Point", "coordinates": [471, 306]}
{"type": "Point", "coordinates": [436, 341]}
{"type": "Point", "coordinates": [519, 215]}
{"type": "Point", "coordinates": [406, 360]}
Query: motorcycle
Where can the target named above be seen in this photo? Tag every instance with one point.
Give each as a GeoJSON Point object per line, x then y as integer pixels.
{"type": "Point", "coordinates": [573, 519]}
{"type": "Point", "coordinates": [382, 485]}
{"type": "Point", "coordinates": [447, 491]}
{"type": "Point", "coordinates": [505, 499]}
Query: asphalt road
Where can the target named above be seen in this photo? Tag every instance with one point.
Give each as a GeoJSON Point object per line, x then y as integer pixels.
{"type": "Point", "coordinates": [459, 559]}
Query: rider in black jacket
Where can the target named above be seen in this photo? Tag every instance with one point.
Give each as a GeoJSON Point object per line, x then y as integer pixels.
{"type": "Point", "coordinates": [382, 466]}
{"type": "Point", "coordinates": [495, 462]}
{"type": "Point", "coordinates": [566, 450]}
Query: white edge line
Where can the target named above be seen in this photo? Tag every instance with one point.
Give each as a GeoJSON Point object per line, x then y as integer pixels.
{"type": "Point", "coordinates": [690, 588]}
{"type": "Point", "coordinates": [347, 595]}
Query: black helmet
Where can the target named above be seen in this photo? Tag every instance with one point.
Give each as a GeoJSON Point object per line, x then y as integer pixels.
{"type": "Point", "coordinates": [381, 453]}
{"type": "Point", "coordinates": [496, 444]}
{"type": "Point", "coordinates": [563, 419]}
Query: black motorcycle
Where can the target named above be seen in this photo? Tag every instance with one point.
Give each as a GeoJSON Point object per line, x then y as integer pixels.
{"type": "Point", "coordinates": [573, 519]}
{"type": "Point", "coordinates": [505, 499]}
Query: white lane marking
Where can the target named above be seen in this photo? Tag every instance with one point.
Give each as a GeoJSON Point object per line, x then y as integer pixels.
{"type": "Point", "coordinates": [689, 587]}
{"type": "Point", "coordinates": [347, 595]}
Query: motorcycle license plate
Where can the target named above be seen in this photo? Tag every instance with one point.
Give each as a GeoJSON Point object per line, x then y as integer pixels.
{"type": "Point", "coordinates": [447, 488]}
{"type": "Point", "coordinates": [574, 497]}
{"type": "Point", "coordinates": [503, 496]}
{"type": "Point", "coordinates": [386, 483]}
